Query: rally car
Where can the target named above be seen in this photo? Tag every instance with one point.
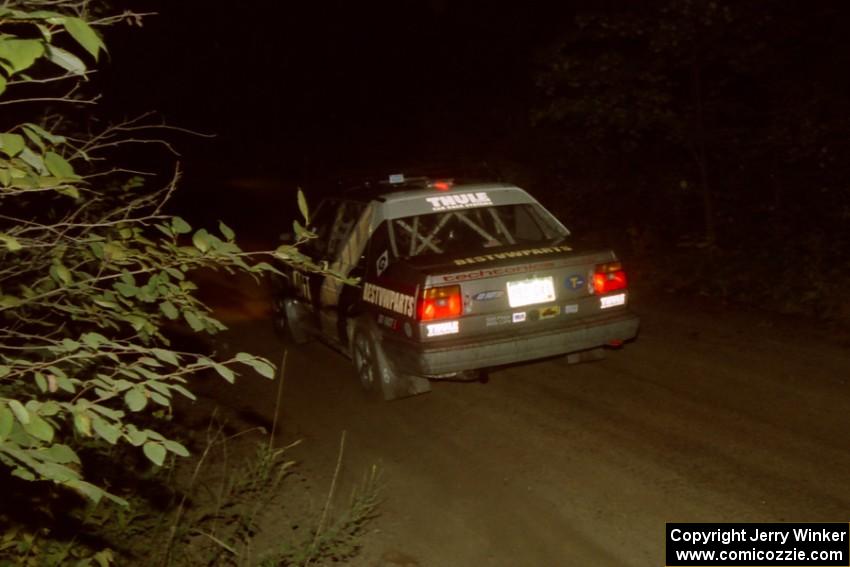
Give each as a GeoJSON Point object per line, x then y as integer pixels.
{"type": "Point", "coordinates": [453, 279]}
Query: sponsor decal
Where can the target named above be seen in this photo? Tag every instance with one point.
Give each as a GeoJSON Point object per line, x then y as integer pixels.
{"type": "Point", "coordinates": [388, 299]}
{"type": "Point", "coordinates": [459, 201]}
{"type": "Point", "coordinates": [513, 254]}
{"type": "Point", "coordinates": [612, 300]}
{"type": "Point", "coordinates": [382, 263]}
{"type": "Point", "coordinates": [575, 282]}
{"type": "Point", "coordinates": [493, 272]}
{"type": "Point", "coordinates": [438, 329]}
{"type": "Point", "coordinates": [549, 312]}
{"type": "Point", "coordinates": [495, 320]}
{"type": "Point", "coordinates": [519, 317]}
{"type": "Point", "coordinates": [488, 295]}
{"type": "Point", "coordinates": [571, 308]}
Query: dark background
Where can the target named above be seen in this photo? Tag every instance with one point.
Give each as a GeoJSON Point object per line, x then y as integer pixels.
{"type": "Point", "coordinates": [706, 141]}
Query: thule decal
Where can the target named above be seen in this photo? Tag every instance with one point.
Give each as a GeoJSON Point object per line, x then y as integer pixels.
{"type": "Point", "coordinates": [459, 201]}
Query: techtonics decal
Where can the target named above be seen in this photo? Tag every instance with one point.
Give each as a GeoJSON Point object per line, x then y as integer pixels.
{"type": "Point", "coordinates": [514, 254]}
{"type": "Point", "coordinates": [459, 201]}
{"type": "Point", "coordinates": [389, 299]}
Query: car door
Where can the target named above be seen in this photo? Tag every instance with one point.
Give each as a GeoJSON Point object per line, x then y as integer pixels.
{"type": "Point", "coordinates": [346, 244]}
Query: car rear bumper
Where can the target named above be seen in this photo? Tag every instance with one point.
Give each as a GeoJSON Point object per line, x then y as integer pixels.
{"type": "Point", "coordinates": [472, 355]}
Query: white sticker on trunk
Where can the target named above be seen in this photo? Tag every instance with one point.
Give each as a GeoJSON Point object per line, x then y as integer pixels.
{"type": "Point", "coordinates": [612, 300]}
{"type": "Point", "coordinates": [571, 308]}
{"type": "Point", "coordinates": [459, 201]}
{"type": "Point", "coordinates": [447, 328]}
{"type": "Point", "coordinates": [519, 317]}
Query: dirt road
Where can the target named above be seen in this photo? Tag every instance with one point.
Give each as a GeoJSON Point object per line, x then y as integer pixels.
{"type": "Point", "coordinates": [713, 415]}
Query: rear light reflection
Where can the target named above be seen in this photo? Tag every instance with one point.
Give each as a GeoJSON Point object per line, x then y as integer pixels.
{"type": "Point", "coordinates": [440, 303]}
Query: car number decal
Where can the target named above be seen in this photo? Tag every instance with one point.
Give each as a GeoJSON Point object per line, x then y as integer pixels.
{"type": "Point", "coordinates": [459, 201]}
{"type": "Point", "coordinates": [389, 299]}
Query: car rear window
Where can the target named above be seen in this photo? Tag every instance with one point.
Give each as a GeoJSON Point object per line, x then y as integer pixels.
{"type": "Point", "coordinates": [472, 229]}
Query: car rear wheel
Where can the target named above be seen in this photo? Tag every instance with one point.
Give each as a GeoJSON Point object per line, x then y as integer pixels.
{"type": "Point", "coordinates": [369, 363]}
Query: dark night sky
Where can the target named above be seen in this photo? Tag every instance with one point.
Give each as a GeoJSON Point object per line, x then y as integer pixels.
{"type": "Point", "coordinates": [294, 87]}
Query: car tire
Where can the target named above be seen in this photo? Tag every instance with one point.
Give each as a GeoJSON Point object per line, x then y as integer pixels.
{"type": "Point", "coordinates": [285, 326]}
{"type": "Point", "coordinates": [369, 362]}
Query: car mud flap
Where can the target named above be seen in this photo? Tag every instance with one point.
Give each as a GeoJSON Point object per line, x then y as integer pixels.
{"type": "Point", "coordinates": [394, 384]}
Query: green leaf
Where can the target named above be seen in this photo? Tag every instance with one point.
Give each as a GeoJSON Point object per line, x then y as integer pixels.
{"type": "Point", "coordinates": [135, 400]}
{"type": "Point", "coordinates": [2, 84]}
{"type": "Point", "coordinates": [107, 431]}
{"type": "Point", "coordinates": [201, 240]}
{"type": "Point", "coordinates": [155, 452]}
{"type": "Point", "coordinates": [85, 35]}
{"type": "Point", "coordinates": [180, 226]}
{"type": "Point", "coordinates": [302, 206]}
{"type": "Point", "coordinates": [11, 242]}
{"type": "Point", "coordinates": [225, 372]}
{"type": "Point", "coordinates": [57, 166]}
{"type": "Point", "coordinates": [169, 310]}
{"type": "Point", "coordinates": [82, 422]}
{"type": "Point", "coordinates": [134, 436]}
{"type": "Point", "coordinates": [262, 366]}
{"type": "Point", "coordinates": [226, 231]}
{"type": "Point", "coordinates": [60, 273]}
{"type": "Point", "coordinates": [19, 54]}
{"type": "Point", "coordinates": [66, 60]}
{"type": "Point", "coordinates": [186, 393]}
{"type": "Point", "coordinates": [165, 355]}
{"type": "Point", "coordinates": [61, 454]}
{"type": "Point", "coordinates": [54, 139]}
{"type": "Point", "coordinates": [6, 422]}
{"type": "Point", "coordinates": [93, 340]}
{"type": "Point", "coordinates": [125, 289]}
{"type": "Point", "coordinates": [176, 448]}
{"type": "Point", "coordinates": [39, 428]}
{"type": "Point", "coordinates": [19, 410]}
{"type": "Point", "coordinates": [193, 321]}
{"type": "Point", "coordinates": [11, 144]}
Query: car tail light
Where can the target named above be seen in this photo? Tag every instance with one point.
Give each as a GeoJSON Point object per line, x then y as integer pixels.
{"type": "Point", "coordinates": [440, 303]}
{"type": "Point", "coordinates": [609, 277]}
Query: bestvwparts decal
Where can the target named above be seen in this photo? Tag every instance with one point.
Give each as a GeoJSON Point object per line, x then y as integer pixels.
{"type": "Point", "coordinates": [514, 254]}
{"type": "Point", "coordinates": [389, 299]}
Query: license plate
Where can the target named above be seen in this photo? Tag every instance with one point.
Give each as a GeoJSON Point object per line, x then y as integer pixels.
{"type": "Point", "coordinates": [531, 292]}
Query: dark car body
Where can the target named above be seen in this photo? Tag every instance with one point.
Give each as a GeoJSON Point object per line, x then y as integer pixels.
{"type": "Point", "coordinates": [453, 279]}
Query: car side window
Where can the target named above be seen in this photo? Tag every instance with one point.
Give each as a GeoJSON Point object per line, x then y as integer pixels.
{"type": "Point", "coordinates": [347, 215]}
{"type": "Point", "coordinates": [321, 225]}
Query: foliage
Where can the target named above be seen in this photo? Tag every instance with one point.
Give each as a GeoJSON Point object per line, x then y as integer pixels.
{"type": "Point", "coordinates": [681, 115]}
{"type": "Point", "coordinates": [93, 273]}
